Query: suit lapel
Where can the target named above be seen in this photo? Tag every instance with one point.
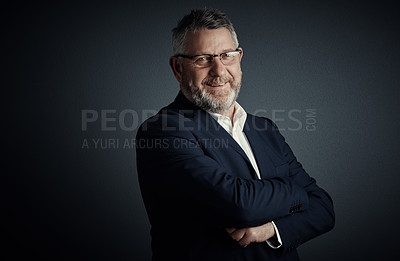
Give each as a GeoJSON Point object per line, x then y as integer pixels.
{"type": "Point", "coordinates": [205, 123]}
{"type": "Point", "coordinates": [265, 157]}
{"type": "Point", "coordinates": [207, 127]}
{"type": "Point", "coordinates": [210, 126]}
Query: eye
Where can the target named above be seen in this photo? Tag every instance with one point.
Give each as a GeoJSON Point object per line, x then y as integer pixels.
{"type": "Point", "coordinates": [230, 54]}
{"type": "Point", "coordinates": [202, 59]}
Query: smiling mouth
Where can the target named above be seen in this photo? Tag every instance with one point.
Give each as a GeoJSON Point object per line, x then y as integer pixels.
{"type": "Point", "coordinates": [216, 85]}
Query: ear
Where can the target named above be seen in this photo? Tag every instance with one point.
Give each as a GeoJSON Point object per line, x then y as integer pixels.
{"type": "Point", "coordinates": [176, 67]}
{"type": "Point", "coordinates": [241, 54]}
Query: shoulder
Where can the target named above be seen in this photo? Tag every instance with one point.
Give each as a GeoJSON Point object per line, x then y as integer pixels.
{"type": "Point", "coordinates": [161, 119]}
{"type": "Point", "coordinates": [169, 121]}
{"type": "Point", "coordinates": [266, 129]}
{"type": "Point", "coordinates": [261, 123]}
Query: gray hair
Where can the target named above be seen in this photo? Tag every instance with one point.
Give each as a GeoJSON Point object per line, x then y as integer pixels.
{"type": "Point", "coordinates": [197, 20]}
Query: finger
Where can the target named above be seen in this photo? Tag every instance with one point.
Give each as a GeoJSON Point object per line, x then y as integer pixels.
{"type": "Point", "coordinates": [246, 240]}
{"type": "Point", "coordinates": [243, 243]}
{"type": "Point", "coordinates": [238, 234]}
{"type": "Point", "coordinates": [230, 230]}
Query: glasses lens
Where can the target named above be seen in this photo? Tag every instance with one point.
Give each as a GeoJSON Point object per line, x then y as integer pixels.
{"type": "Point", "coordinates": [229, 58]}
{"type": "Point", "coordinates": [203, 61]}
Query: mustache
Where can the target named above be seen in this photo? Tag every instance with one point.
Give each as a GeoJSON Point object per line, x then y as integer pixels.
{"type": "Point", "coordinates": [217, 80]}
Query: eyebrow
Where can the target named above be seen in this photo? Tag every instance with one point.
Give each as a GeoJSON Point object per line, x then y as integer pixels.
{"type": "Point", "coordinates": [228, 50]}
{"type": "Point", "coordinates": [223, 51]}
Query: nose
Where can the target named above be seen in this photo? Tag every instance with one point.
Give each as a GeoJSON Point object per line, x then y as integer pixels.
{"type": "Point", "coordinates": [217, 68]}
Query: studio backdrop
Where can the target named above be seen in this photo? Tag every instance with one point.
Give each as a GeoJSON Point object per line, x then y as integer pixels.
{"type": "Point", "coordinates": [81, 77]}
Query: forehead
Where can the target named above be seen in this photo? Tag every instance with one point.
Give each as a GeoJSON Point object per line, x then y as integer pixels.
{"type": "Point", "coordinates": [210, 41]}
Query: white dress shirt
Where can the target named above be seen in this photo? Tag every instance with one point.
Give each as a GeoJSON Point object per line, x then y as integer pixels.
{"type": "Point", "coordinates": [237, 133]}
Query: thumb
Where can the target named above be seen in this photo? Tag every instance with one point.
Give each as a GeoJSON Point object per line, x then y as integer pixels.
{"type": "Point", "coordinates": [245, 241]}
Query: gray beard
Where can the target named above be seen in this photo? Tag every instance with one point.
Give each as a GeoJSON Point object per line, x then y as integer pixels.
{"type": "Point", "coordinates": [208, 102]}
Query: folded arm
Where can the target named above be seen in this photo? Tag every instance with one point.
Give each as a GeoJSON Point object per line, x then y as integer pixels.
{"type": "Point", "coordinates": [318, 218]}
{"type": "Point", "coordinates": [301, 224]}
{"type": "Point", "coordinates": [243, 202]}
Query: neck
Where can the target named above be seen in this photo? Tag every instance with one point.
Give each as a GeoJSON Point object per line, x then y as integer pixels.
{"type": "Point", "coordinates": [228, 113]}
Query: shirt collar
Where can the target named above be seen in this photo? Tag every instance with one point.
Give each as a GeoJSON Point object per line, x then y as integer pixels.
{"type": "Point", "coordinates": [239, 117]}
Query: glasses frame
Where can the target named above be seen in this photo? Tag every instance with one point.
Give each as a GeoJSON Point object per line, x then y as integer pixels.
{"type": "Point", "coordinates": [210, 55]}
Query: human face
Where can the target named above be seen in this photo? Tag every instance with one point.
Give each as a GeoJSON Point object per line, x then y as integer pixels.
{"type": "Point", "coordinates": [213, 88]}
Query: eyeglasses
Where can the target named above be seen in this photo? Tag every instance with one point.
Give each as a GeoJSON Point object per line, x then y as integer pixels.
{"type": "Point", "coordinates": [206, 60]}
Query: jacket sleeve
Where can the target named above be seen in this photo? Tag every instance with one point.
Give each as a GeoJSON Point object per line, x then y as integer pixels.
{"type": "Point", "coordinates": [305, 224]}
{"type": "Point", "coordinates": [175, 159]}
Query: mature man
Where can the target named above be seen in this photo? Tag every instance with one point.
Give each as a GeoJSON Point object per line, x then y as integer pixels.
{"type": "Point", "coordinates": [218, 183]}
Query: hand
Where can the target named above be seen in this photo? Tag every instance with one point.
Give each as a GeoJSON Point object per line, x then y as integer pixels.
{"type": "Point", "coordinates": [245, 236]}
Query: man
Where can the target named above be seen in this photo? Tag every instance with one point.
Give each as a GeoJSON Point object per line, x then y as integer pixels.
{"type": "Point", "coordinates": [218, 183]}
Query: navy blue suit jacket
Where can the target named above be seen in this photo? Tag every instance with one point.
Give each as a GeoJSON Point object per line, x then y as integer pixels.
{"type": "Point", "coordinates": [196, 181]}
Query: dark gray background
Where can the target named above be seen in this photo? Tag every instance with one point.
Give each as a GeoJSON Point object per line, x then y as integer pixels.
{"type": "Point", "coordinates": [63, 201]}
